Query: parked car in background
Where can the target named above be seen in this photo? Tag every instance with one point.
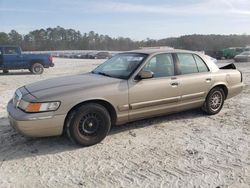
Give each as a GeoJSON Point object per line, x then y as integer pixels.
{"type": "Point", "coordinates": [247, 48]}
{"type": "Point", "coordinates": [229, 53]}
{"type": "Point", "coordinates": [129, 86]}
{"type": "Point", "coordinates": [218, 55]}
{"type": "Point", "coordinates": [91, 55]}
{"type": "Point", "coordinates": [12, 58]}
{"type": "Point", "coordinates": [103, 55]}
{"type": "Point", "coordinates": [243, 57]}
{"type": "Point", "coordinates": [68, 55]}
{"type": "Point", "coordinates": [81, 55]}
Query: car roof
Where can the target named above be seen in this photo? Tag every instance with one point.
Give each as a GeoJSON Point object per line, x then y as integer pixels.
{"type": "Point", "coordinates": [212, 66]}
{"type": "Point", "coordinates": [156, 51]}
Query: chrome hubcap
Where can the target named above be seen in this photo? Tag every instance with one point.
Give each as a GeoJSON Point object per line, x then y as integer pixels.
{"type": "Point", "coordinates": [216, 101]}
{"type": "Point", "coordinates": [37, 69]}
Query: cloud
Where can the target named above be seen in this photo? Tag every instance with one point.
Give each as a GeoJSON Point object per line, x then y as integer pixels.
{"type": "Point", "coordinates": [20, 10]}
{"type": "Point", "coordinates": [205, 7]}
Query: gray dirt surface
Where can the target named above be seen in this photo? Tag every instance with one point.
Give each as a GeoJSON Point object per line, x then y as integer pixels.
{"type": "Point", "coordinates": [187, 149]}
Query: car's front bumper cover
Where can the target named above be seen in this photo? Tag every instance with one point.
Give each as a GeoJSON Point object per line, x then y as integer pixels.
{"type": "Point", "coordinates": [35, 124]}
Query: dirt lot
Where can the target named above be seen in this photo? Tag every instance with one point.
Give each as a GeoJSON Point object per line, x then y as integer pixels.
{"type": "Point", "coordinates": [187, 149]}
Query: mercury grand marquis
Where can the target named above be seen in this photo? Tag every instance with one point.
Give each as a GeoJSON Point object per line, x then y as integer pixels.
{"type": "Point", "coordinates": [130, 86]}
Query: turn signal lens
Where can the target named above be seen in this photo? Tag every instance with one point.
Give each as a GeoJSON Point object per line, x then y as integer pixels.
{"type": "Point", "coordinates": [33, 107]}
{"type": "Point", "coordinates": [42, 107]}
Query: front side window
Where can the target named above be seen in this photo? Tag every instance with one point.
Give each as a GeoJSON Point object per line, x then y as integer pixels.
{"type": "Point", "coordinates": [121, 65]}
{"type": "Point", "coordinates": [161, 65]}
{"type": "Point", "coordinates": [10, 50]}
{"type": "Point", "coordinates": [187, 63]}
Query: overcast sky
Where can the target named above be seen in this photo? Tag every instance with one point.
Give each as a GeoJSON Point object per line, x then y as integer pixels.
{"type": "Point", "coordinates": [137, 19]}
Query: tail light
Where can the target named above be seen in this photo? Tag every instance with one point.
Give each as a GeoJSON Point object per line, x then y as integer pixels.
{"type": "Point", "coordinates": [50, 58]}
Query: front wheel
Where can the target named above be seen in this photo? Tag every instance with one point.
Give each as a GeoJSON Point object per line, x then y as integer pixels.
{"type": "Point", "coordinates": [89, 124]}
{"type": "Point", "coordinates": [214, 101]}
{"type": "Point", "coordinates": [37, 68]}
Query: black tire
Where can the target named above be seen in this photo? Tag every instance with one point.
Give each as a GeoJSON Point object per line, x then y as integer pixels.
{"type": "Point", "coordinates": [5, 71]}
{"type": "Point", "coordinates": [88, 124]}
{"type": "Point", "coordinates": [214, 101]}
{"type": "Point", "coordinates": [36, 68]}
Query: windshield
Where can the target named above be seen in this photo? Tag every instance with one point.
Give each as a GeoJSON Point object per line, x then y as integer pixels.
{"type": "Point", "coordinates": [121, 65]}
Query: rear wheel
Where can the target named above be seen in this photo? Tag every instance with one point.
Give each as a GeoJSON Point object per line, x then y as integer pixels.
{"type": "Point", "coordinates": [37, 68]}
{"type": "Point", "coordinates": [89, 124]}
{"type": "Point", "coordinates": [214, 101]}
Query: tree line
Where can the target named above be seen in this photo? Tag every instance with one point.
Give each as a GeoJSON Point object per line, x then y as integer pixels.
{"type": "Point", "coordinates": [59, 38]}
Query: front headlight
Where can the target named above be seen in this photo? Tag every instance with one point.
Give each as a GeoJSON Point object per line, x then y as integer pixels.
{"type": "Point", "coordinates": [38, 107]}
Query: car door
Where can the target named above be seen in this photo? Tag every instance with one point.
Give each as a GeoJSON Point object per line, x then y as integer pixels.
{"type": "Point", "coordinates": [157, 95]}
{"type": "Point", "coordinates": [194, 80]}
{"type": "Point", "coordinates": [12, 58]}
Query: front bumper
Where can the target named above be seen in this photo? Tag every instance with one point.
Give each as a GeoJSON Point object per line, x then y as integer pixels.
{"type": "Point", "coordinates": [35, 124]}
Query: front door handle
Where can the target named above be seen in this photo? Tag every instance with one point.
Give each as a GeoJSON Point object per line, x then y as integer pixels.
{"type": "Point", "coordinates": [208, 79]}
{"type": "Point", "coordinates": [174, 84]}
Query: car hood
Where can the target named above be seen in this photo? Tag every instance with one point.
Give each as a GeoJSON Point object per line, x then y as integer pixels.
{"type": "Point", "coordinates": [67, 84]}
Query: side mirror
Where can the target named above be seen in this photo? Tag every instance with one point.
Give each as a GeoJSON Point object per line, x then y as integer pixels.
{"type": "Point", "coordinates": [145, 74]}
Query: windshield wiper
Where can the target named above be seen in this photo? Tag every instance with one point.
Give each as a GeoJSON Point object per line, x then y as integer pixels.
{"type": "Point", "coordinates": [102, 73]}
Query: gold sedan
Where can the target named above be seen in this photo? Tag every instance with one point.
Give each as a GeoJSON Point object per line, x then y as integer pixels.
{"type": "Point", "coordinates": [129, 86]}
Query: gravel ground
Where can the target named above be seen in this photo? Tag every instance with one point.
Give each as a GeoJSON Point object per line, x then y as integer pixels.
{"type": "Point", "coordinates": [187, 149]}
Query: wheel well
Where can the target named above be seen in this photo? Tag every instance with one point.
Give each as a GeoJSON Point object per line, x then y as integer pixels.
{"type": "Point", "coordinates": [109, 107]}
{"type": "Point", "coordinates": [36, 61]}
{"type": "Point", "coordinates": [224, 89]}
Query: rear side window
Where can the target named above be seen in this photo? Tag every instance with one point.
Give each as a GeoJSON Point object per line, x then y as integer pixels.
{"type": "Point", "coordinates": [10, 50]}
{"type": "Point", "coordinates": [187, 63]}
{"type": "Point", "coordinates": [200, 64]}
{"type": "Point", "coordinates": [161, 65]}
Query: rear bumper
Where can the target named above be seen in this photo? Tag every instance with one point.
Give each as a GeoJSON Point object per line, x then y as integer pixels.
{"type": "Point", "coordinates": [48, 65]}
{"type": "Point", "coordinates": [235, 90]}
{"type": "Point", "coordinates": [35, 124]}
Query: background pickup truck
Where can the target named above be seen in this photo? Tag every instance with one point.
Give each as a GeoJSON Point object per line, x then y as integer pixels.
{"type": "Point", "coordinates": [12, 58]}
